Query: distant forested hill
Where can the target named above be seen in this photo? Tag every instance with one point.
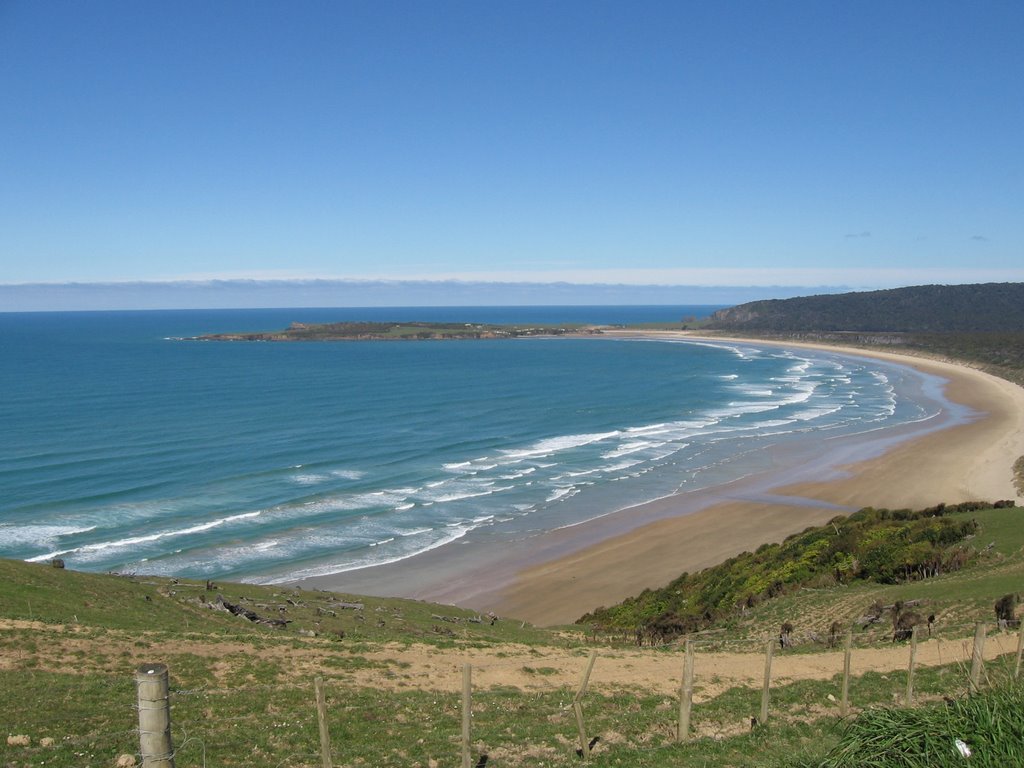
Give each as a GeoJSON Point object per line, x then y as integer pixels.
{"type": "Point", "coordinates": [987, 307]}
{"type": "Point", "coordinates": [982, 324]}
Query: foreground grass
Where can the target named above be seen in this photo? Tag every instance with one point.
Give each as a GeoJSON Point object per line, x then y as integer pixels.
{"type": "Point", "coordinates": [985, 729]}
{"type": "Point", "coordinates": [264, 715]}
{"type": "Point", "coordinates": [242, 693]}
{"type": "Point", "coordinates": [92, 717]}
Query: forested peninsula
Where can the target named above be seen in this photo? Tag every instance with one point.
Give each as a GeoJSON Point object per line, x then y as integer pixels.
{"type": "Point", "coordinates": [980, 324]}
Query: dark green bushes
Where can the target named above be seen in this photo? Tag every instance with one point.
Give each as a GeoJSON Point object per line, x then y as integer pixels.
{"type": "Point", "coordinates": [879, 545]}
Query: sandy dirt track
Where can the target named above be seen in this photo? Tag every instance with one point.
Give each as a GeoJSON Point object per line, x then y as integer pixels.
{"type": "Point", "coordinates": [424, 667]}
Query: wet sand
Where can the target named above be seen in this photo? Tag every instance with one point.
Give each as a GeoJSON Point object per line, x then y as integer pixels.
{"type": "Point", "coordinates": [558, 576]}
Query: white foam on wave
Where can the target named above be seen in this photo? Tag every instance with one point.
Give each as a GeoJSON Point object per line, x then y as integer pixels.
{"type": "Point", "coordinates": [548, 446]}
{"type": "Point", "coordinates": [92, 549]}
{"type": "Point", "coordinates": [652, 429]}
{"type": "Point", "coordinates": [620, 466]}
{"type": "Point", "coordinates": [519, 474]}
{"type": "Point", "coordinates": [451, 534]}
{"type": "Point", "coordinates": [576, 473]}
{"type": "Point", "coordinates": [349, 503]}
{"type": "Point", "coordinates": [672, 448]}
{"type": "Point", "coordinates": [469, 494]}
{"type": "Point", "coordinates": [803, 392]}
{"type": "Point", "coordinates": [740, 353]}
{"type": "Point", "coordinates": [355, 538]}
{"type": "Point", "coordinates": [772, 424]}
{"type": "Point", "coordinates": [562, 493]}
{"type": "Point", "coordinates": [817, 412]}
{"type": "Point", "coordinates": [740, 408]}
{"type": "Point", "coordinates": [317, 478]}
{"type": "Point", "coordinates": [632, 447]}
{"type": "Point", "coordinates": [15, 535]}
{"type": "Point", "coordinates": [348, 474]}
{"type": "Point", "coordinates": [753, 390]}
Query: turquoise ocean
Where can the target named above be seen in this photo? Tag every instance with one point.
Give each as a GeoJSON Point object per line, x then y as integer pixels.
{"type": "Point", "coordinates": [125, 448]}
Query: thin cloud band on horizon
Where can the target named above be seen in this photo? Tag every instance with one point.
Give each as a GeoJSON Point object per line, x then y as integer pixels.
{"type": "Point", "coordinates": [860, 278]}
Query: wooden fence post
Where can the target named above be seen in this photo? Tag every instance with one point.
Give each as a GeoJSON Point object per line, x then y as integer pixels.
{"type": "Point", "coordinates": [1020, 649]}
{"type": "Point", "coordinates": [977, 656]}
{"type": "Point", "coordinates": [321, 719]}
{"type": "Point", "coordinates": [154, 716]}
{"type": "Point", "coordinates": [765, 692]}
{"type": "Point", "coordinates": [844, 706]}
{"type": "Point", "coordinates": [577, 707]}
{"type": "Point", "coordinates": [910, 669]}
{"type": "Point", "coordinates": [467, 713]}
{"type": "Point", "coordinates": [686, 695]}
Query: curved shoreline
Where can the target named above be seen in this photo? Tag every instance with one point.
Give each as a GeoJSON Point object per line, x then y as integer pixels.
{"type": "Point", "coordinates": [959, 463]}
{"type": "Point", "coordinates": [560, 575]}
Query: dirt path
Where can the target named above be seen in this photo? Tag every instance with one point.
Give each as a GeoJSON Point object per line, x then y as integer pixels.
{"type": "Point", "coordinates": [423, 667]}
{"type": "Point", "coordinates": [659, 671]}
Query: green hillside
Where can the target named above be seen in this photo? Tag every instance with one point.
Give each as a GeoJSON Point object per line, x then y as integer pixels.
{"type": "Point", "coordinates": [871, 546]}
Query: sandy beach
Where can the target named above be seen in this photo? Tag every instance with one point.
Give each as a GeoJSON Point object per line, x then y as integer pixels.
{"type": "Point", "coordinates": [561, 575]}
{"type": "Point", "coordinates": [970, 461]}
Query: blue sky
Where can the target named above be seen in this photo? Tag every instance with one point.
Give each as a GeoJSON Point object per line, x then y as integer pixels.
{"type": "Point", "coordinates": [862, 144]}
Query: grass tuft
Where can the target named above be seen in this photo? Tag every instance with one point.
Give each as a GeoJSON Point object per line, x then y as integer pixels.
{"type": "Point", "coordinates": [989, 724]}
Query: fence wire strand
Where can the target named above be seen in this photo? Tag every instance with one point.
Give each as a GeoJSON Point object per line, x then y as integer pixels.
{"type": "Point", "coordinates": [567, 664]}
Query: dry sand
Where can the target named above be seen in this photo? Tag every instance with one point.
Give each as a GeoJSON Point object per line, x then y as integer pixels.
{"type": "Point", "coordinates": [961, 463]}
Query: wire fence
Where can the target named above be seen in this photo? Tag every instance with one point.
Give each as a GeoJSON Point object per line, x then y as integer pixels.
{"type": "Point", "coordinates": [475, 705]}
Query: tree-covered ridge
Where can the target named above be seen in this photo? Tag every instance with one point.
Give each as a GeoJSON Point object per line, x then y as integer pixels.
{"type": "Point", "coordinates": [879, 545]}
{"type": "Point", "coordinates": [917, 309]}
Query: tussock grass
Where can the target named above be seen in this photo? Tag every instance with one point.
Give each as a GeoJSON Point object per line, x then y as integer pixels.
{"type": "Point", "coordinates": [990, 725]}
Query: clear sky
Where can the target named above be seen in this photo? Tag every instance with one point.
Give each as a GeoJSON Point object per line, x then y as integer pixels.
{"type": "Point", "coordinates": [866, 144]}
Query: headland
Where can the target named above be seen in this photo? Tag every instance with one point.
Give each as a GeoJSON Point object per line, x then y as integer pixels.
{"type": "Point", "coordinates": [399, 331]}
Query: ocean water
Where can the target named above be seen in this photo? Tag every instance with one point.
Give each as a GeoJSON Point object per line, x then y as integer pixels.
{"type": "Point", "coordinates": [127, 449]}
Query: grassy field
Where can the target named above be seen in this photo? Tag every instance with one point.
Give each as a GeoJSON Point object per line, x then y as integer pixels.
{"type": "Point", "coordinates": [241, 692]}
